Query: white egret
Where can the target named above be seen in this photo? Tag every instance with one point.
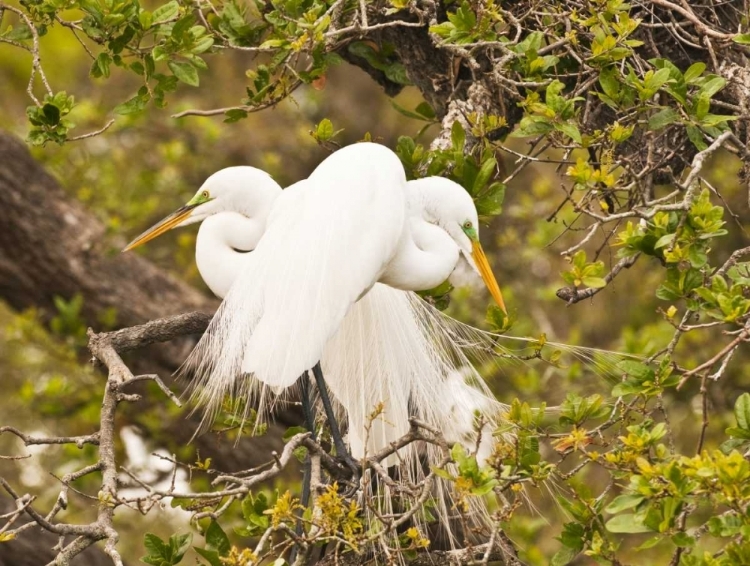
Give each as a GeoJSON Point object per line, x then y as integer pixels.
{"type": "Point", "coordinates": [391, 347]}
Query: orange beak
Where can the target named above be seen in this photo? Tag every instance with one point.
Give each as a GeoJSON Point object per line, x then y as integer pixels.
{"type": "Point", "coordinates": [162, 226]}
{"type": "Point", "coordinates": [477, 254]}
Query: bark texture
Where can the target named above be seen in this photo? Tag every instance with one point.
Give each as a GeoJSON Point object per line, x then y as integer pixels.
{"type": "Point", "coordinates": [50, 246]}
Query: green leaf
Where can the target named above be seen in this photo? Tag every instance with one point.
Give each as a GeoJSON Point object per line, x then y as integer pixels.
{"type": "Point", "coordinates": [424, 109]}
{"type": "Point", "coordinates": [694, 71]}
{"type": "Point", "coordinates": [182, 502]}
{"type": "Point", "coordinates": [626, 523]}
{"type": "Point", "coordinates": [638, 370]}
{"type": "Point", "coordinates": [595, 282]}
{"type": "Point", "coordinates": [563, 557]}
{"type": "Point", "coordinates": [20, 33]}
{"type": "Point", "coordinates": [364, 50]}
{"type": "Point", "coordinates": [659, 78]}
{"type": "Point", "coordinates": [397, 74]}
{"type": "Point", "coordinates": [626, 388]}
{"type": "Point", "coordinates": [161, 553]}
{"type": "Point", "coordinates": [464, 18]}
{"type": "Point", "coordinates": [135, 104]}
{"type": "Point", "coordinates": [458, 136]}
{"type": "Point", "coordinates": [663, 118]}
{"type": "Point", "coordinates": [37, 137]}
{"type": "Point", "coordinates": [184, 72]}
{"type": "Point", "coordinates": [51, 114]}
{"type": "Point", "coordinates": [696, 136]}
{"type": "Point", "coordinates": [293, 431]}
{"type": "Point", "coordinates": [701, 105]}
{"type": "Point", "coordinates": [742, 38]}
{"type": "Point", "coordinates": [484, 175]}
{"type": "Point", "coordinates": [408, 113]}
{"type": "Point", "coordinates": [180, 545]}
{"type": "Point", "coordinates": [491, 203]}
{"type": "Point", "coordinates": [650, 543]}
{"type": "Point", "coordinates": [609, 82]}
{"type": "Point", "coordinates": [146, 19]}
{"type": "Point", "coordinates": [570, 130]}
{"type": "Point", "coordinates": [324, 130]}
{"type": "Point", "coordinates": [725, 525]}
{"type": "Point", "coordinates": [165, 12]}
{"type": "Point", "coordinates": [485, 488]}
{"type": "Point", "coordinates": [202, 45]}
{"type": "Point", "coordinates": [738, 432]}
{"type": "Point", "coordinates": [216, 539]}
{"type": "Point", "coordinates": [710, 120]}
{"type": "Point", "coordinates": [532, 126]}
{"type": "Point", "coordinates": [665, 240]}
{"type": "Point", "coordinates": [712, 85]}
{"type": "Point", "coordinates": [234, 115]}
{"type": "Point", "coordinates": [154, 544]}
{"type": "Point", "coordinates": [742, 411]}
{"type": "Point", "coordinates": [497, 318]}
{"type": "Point", "coordinates": [683, 539]}
{"type": "Point", "coordinates": [623, 502]}
{"type": "Point", "coordinates": [458, 453]}
{"type": "Point", "coordinates": [440, 472]}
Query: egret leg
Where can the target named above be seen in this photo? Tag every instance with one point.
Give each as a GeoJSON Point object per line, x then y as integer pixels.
{"type": "Point", "coordinates": [338, 441]}
{"type": "Point", "coordinates": [308, 412]}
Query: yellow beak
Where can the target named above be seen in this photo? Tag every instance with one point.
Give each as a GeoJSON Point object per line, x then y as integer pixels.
{"type": "Point", "coordinates": [159, 228]}
{"type": "Point", "coordinates": [477, 254]}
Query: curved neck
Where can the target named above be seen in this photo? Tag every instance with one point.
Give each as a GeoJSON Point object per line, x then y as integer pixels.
{"type": "Point", "coordinates": [426, 258]}
{"type": "Point", "coordinates": [221, 248]}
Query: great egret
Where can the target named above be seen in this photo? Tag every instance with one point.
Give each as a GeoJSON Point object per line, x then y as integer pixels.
{"type": "Point", "coordinates": [391, 347]}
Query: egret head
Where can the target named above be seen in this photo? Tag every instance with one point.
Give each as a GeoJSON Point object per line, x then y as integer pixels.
{"type": "Point", "coordinates": [448, 205]}
{"type": "Point", "coordinates": [246, 190]}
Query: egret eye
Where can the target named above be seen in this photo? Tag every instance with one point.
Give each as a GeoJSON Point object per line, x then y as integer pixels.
{"type": "Point", "coordinates": [204, 194]}
{"type": "Point", "coordinates": [467, 225]}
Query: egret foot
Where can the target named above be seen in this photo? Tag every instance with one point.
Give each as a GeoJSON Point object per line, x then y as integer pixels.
{"type": "Point", "coordinates": [352, 484]}
{"type": "Point", "coordinates": [342, 454]}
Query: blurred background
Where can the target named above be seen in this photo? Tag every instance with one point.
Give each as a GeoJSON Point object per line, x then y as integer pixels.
{"type": "Point", "coordinates": [147, 165]}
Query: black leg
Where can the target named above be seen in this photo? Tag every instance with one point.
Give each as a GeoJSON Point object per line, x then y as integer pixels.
{"type": "Point", "coordinates": [309, 414]}
{"type": "Point", "coordinates": [338, 441]}
{"type": "Point", "coordinates": [307, 407]}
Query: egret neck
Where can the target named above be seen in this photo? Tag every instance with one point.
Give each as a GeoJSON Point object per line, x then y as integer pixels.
{"type": "Point", "coordinates": [222, 245]}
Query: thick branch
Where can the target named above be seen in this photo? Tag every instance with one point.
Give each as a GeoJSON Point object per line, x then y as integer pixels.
{"type": "Point", "coordinates": [160, 330]}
